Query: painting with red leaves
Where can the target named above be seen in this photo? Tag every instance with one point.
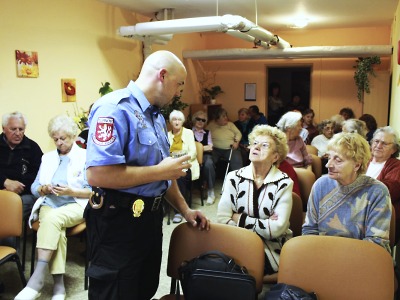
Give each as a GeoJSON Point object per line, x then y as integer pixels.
{"type": "Point", "coordinates": [27, 64]}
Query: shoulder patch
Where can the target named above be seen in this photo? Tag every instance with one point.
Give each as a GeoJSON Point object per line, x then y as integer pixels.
{"type": "Point", "coordinates": [104, 130]}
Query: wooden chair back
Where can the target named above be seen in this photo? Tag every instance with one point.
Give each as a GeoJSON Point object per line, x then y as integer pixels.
{"type": "Point", "coordinates": [337, 268]}
{"type": "Point", "coordinates": [245, 246]}
{"type": "Point", "coordinates": [306, 180]}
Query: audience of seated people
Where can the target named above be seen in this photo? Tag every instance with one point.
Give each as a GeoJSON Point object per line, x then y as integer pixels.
{"type": "Point", "coordinates": [204, 136]}
{"type": "Point", "coordinates": [346, 202]}
{"type": "Point", "coordinates": [345, 158]}
{"type": "Point", "coordinates": [385, 167]}
{"type": "Point", "coordinates": [371, 124]}
{"type": "Point", "coordinates": [290, 124]}
{"type": "Point", "coordinates": [308, 123]}
{"type": "Point", "coordinates": [258, 197]}
{"type": "Point", "coordinates": [63, 193]}
{"type": "Point", "coordinates": [225, 138]}
{"type": "Point", "coordinates": [321, 141]}
{"type": "Point", "coordinates": [243, 124]}
{"type": "Point", "coordinates": [181, 140]}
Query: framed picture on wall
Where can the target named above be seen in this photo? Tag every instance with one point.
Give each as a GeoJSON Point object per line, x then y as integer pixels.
{"type": "Point", "coordinates": [250, 91]}
{"type": "Point", "coordinates": [27, 63]}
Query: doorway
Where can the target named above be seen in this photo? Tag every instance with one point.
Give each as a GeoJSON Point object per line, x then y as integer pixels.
{"type": "Point", "coordinates": [291, 81]}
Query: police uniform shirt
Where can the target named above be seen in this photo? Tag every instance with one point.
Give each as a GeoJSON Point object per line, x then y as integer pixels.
{"type": "Point", "coordinates": [126, 129]}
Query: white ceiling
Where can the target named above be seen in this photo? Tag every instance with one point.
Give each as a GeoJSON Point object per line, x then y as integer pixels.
{"type": "Point", "coordinates": [275, 15]}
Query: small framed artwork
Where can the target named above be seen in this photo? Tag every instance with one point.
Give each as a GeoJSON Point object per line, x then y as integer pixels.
{"type": "Point", "coordinates": [68, 90]}
{"type": "Point", "coordinates": [27, 63]}
{"type": "Point", "coordinates": [250, 91]}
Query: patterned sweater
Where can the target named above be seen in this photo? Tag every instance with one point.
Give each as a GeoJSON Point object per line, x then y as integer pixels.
{"type": "Point", "coordinates": [256, 207]}
{"type": "Point", "coordinates": [360, 210]}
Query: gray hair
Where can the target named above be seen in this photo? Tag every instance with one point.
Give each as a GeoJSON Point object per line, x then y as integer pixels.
{"type": "Point", "coordinates": [197, 114]}
{"type": "Point", "coordinates": [15, 114]}
{"type": "Point", "coordinates": [395, 136]}
{"type": "Point", "coordinates": [176, 114]}
{"type": "Point", "coordinates": [63, 123]}
{"type": "Point", "coordinates": [355, 126]}
{"type": "Point", "coordinates": [322, 125]}
{"type": "Point", "coordinates": [289, 120]}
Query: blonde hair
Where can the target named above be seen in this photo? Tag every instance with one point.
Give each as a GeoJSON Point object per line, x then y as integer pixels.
{"type": "Point", "coordinates": [277, 135]}
{"type": "Point", "coordinates": [352, 146]}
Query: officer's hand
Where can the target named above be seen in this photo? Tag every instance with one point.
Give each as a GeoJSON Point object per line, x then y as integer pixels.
{"type": "Point", "coordinates": [175, 167]}
{"type": "Point", "coordinates": [197, 218]}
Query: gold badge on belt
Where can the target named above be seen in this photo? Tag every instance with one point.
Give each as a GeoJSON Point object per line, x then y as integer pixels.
{"type": "Point", "coordinates": [137, 208]}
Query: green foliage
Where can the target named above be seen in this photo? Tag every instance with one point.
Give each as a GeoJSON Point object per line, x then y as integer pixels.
{"type": "Point", "coordinates": [364, 68]}
{"type": "Point", "coordinates": [105, 89]}
{"type": "Point", "coordinates": [213, 91]}
{"type": "Point", "coordinates": [176, 104]}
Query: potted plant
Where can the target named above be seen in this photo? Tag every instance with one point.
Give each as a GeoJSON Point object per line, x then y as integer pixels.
{"type": "Point", "coordinates": [212, 92]}
{"type": "Point", "coordinates": [176, 103]}
{"type": "Point", "coordinates": [364, 68]}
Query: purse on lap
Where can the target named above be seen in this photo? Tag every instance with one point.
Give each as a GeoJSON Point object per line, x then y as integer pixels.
{"type": "Point", "coordinates": [215, 276]}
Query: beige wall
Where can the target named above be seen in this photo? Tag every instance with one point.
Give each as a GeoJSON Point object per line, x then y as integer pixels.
{"type": "Point", "coordinates": [77, 39]}
{"type": "Point", "coordinates": [74, 39]}
{"type": "Point", "coordinates": [395, 91]}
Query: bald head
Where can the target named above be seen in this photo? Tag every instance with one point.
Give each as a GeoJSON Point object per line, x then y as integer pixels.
{"type": "Point", "coordinates": [162, 60]}
{"type": "Point", "coordinates": [162, 77]}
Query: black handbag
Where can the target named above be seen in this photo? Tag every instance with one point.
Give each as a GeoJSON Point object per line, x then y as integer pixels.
{"type": "Point", "coordinates": [215, 276]}
{"type": "Point", "coordinates": [282, 291]}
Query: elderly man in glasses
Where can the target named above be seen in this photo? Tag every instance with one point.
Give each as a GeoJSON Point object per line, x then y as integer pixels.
{"type": "Point", "coordinates": [385, 166]}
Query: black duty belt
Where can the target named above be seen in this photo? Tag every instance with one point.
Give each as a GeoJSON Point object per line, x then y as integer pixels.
{"type": "Point", "coordinates": [138, 204]}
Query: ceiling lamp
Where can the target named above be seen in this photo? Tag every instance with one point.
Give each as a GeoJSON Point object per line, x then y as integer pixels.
{"type": "Point", "coordinates": [299, 23]}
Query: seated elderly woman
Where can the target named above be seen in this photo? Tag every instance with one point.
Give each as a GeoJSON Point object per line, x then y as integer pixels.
{"type": "Point", "coordinates": [203, 136]}
{"type": "Point", "coordinates": [346, 202]}
{"type": "Point", "coordinates": [258, 197]}
{"type": "Point", "coordinates": [320, 142]}
{"type": "Point", "coordinates": [385, 166]}
{"type": "Point", "coordinates": [225, 137]}
{"type": "Point", "coordinates": [181, 140]}
{"type": "Point", "coordinates": [355, 126]}
{"type": "Point", "coordinates": [291, 124]}
{"type": "Point", "coordinates": [63, 194]}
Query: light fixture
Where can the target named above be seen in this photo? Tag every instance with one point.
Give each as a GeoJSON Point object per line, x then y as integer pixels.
{"type": "Point", "coordinates": [299, 23]}
{"type": "Point", "coordinates": [231, 24]}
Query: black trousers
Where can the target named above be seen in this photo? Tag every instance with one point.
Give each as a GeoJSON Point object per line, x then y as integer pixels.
{"type": "Point", "coordinates": [124, 252]}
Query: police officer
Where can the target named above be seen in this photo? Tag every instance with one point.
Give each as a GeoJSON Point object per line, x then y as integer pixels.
{"type": "Point", "coordinates": [129, 167]}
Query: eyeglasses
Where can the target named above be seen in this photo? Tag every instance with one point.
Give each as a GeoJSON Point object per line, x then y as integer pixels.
{"type": "Point", "coordinates": [383, 143]}
{"type": "Point", "coordinates": [263, 145]}
{"type": "Point", "coordinates": [201, 120]}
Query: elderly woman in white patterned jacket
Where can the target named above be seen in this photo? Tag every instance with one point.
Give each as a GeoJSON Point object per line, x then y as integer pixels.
{"type": "Point", "coordinates": [63, 194]}
{"type": "Point", "coordinates": [258, 197]}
